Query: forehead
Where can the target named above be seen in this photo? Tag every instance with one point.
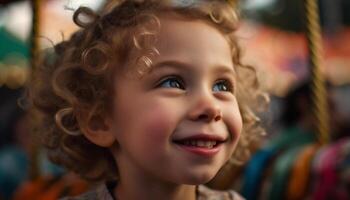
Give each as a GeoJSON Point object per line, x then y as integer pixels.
{"type": "Point", "coordinates": [177, 28]}
{"type": "Point", "coordinates": [194, 40]}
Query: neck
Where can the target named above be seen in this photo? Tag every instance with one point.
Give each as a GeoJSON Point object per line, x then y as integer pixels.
{"type": "Point", "coordinates": [153, 191]}
{"type": "Point", "coordinates": [134, 184]}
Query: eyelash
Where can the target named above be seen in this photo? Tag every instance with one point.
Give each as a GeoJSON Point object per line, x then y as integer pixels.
{"type": "Point", "coordinates": [181, 85]}
{"type": "Point", "coordinates": [172, 78]}
{"type": "Point", "coordinates": [228, 85]}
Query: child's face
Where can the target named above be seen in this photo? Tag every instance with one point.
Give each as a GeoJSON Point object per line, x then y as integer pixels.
{"type": "Point", "coordinates": [186, 98]}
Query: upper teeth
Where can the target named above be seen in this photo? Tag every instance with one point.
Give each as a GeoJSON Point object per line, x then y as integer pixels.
{"type": "Point", "coordinates": [200, 143]}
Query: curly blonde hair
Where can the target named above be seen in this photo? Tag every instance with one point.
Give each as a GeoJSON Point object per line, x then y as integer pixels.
{"type": "Point", "coordinates": [72, 84]}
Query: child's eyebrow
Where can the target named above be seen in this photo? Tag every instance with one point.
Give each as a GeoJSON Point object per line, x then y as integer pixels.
{"type": "Point", "coordinates": [218, 69]}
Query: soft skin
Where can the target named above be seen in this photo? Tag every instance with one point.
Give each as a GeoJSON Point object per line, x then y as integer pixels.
{"type": "Point", "coordinates": [190, 90]}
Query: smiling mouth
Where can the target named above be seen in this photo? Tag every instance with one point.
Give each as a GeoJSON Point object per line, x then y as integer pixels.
{"type": "Point", "coordinates": [201, 147]}
{"type": "Point", "coordinates": [201, 144]}
{"type": "Point", "coordinates": [209, 144]}
{"type": "Point", "coordinates": [201, 141]}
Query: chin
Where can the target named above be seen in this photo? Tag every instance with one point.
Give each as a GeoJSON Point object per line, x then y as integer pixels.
{"type": "Point", "coordinates": [198, 177]}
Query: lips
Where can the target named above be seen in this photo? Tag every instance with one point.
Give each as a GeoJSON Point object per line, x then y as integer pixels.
{"type": "Point", "coordinates": [201, 141]}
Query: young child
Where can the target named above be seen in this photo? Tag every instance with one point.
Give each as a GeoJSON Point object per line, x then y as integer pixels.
{"type": "Point", "coordinates": [149, 98]}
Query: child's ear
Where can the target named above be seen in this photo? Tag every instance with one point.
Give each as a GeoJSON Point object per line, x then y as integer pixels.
{"type": "Point", "coordinates": [99, 131]}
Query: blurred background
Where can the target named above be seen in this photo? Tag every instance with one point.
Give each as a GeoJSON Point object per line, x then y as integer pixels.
{"type": "Point", "coordinates": [288, 164]}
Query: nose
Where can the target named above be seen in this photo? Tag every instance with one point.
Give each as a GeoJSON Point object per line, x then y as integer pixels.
{"type": "Point", "coordinates": [205, 109]}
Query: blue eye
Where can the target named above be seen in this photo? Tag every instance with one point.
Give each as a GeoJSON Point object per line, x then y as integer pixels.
{"type": "Point", "coordinates": [223, 86]}
{"type": "Point", "coordinates": [172, 82]}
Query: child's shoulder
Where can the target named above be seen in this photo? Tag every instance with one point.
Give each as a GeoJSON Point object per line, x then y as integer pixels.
{"type": "Point", "coordinates": [204, 193]}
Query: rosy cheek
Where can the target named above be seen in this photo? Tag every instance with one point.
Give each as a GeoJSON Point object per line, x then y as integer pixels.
{"type": "Point", "coordinates": [235, 126]}
{"type": "Point", "coordinates": [159, 125]}
{"type": "Point", "coordinates": [237, 131]}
